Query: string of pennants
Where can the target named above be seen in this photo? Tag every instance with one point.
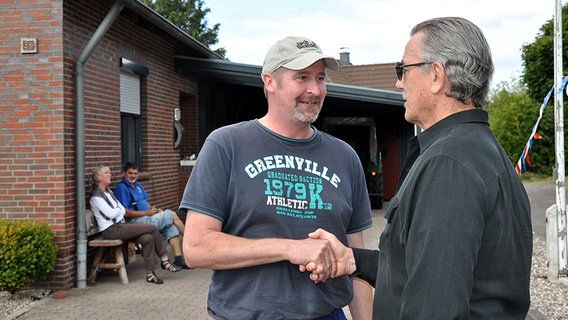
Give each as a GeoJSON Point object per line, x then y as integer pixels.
{"type": "Point", "coordinates": [524, 159]}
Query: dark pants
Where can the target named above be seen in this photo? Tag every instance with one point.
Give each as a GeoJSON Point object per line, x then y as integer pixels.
{"type": "Point", "coordinates": [144, 234]}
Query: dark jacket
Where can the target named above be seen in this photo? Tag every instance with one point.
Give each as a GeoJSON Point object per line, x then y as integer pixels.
{"type": "Point", "coordinates": [458, 242]}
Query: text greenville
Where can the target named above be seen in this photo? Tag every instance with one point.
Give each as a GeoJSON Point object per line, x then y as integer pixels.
{"type": "Point", "coordinates": [290, 162]}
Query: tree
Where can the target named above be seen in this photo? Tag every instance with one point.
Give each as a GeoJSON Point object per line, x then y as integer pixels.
{"type": "Point", "coordinates": [189, 16]}
{"type": "Point", "coordinates": [538, 76]}
{"type": "Point", "coordinates": [512, 115]}
{"type": "Point", "coordinates": [538, 58]}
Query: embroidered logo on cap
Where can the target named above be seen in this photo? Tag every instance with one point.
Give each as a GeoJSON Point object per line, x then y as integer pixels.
{"type": "Point", "coordinates": [306, 44]}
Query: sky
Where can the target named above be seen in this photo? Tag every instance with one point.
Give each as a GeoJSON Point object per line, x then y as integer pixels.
{"type": "Point", "coordinates": [373, 31]}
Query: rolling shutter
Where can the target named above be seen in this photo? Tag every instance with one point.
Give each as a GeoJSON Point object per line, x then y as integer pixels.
{"type": "Point", "coordinates": [129, 93]}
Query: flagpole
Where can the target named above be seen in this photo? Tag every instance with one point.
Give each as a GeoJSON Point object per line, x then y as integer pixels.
{"type": "Point", "coordinates": [562, 270]}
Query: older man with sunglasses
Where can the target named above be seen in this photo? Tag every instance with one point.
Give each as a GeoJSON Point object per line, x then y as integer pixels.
{"type": "Point", "coordinates": [458, 241]}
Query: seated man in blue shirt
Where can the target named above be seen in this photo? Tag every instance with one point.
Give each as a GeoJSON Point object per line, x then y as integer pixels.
{"type": "Point", "coordinates": [138, 210]}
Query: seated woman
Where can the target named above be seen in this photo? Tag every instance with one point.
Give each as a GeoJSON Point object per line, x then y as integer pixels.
{"type": "Point", "coordinates": [110, 217]}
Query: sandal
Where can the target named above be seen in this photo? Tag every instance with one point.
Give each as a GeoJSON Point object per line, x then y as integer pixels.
{"type": "Point", "coordinates": [152, 277]}
{"type": "Point", "coordinates": [167, 265]}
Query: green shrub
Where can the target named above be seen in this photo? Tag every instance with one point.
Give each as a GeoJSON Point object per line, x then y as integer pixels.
{"type": "Point", "coordinates": [27, 252]}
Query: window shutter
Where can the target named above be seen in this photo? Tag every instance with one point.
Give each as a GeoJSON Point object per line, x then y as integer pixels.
{"type": "Point", "coordinates": [129, 93]}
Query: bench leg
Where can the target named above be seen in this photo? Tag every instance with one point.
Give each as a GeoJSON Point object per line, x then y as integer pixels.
{"type": "Point", "coordinates": [95, 268]}
{"type": "Point", "coordinates": [120, 262]}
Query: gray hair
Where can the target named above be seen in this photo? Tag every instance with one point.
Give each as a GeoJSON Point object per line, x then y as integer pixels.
{"type": "Point", "coordinates": [96, 173]}
{"type": "Point", "coordinates": [464, 52]}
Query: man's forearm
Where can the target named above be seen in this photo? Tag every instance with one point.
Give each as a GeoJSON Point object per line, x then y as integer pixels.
{"type": "Point", "coordinates": [361, 307]}
{"type": "Point", "coordinates": [135, 213]}
{"type": "Point", "coordinates": [367, 262]}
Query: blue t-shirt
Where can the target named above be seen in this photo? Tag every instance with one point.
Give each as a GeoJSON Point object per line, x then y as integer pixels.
{"type": "Point", "coordinates": [260, 185]}
{"type": "Point", "coordinates": [124, 191]}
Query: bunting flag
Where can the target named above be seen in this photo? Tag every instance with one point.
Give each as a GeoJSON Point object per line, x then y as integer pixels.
{"type": "Point", "coordinates": [524, 159]}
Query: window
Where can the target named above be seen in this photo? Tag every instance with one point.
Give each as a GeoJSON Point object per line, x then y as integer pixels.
{"type": "Point", "coordinates": [130, 105]}
{"type": "Point", "coordinates": [131, 142]}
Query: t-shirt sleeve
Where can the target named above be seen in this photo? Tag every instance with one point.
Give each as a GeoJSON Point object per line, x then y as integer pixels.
{"type": "Point", "coordinates": [206, 189]}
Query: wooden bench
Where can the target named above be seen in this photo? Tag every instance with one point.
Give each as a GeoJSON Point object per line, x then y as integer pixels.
{"type": "Point", "coordinates": [124, 252]}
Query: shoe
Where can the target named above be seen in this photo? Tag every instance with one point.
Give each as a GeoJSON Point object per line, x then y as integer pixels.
{"type": "Point", "coordinates": [167, 265]}
{"type": "Point", "coordinates": [179, 260]}
{"type": "Point", "coordinates": [152, 277]}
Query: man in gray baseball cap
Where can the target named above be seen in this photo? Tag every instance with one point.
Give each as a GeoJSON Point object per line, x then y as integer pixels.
{"type": "Point", "coordinates": [260, 186]}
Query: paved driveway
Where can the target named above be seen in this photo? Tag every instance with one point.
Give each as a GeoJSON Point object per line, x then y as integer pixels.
{"type": "Point", "coordinates": [542, 195]}
{"type": "Point", "coordinates": [184, 294]}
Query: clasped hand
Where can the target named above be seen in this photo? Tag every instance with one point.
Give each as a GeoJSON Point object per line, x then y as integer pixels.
{"type": "Point", "coordinates": [331, 261]}
{"type": "Point", "coordinates": [154, 210]}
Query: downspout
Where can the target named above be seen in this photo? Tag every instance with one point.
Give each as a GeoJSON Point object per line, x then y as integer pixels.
{"type": "Point", "coordinates": [80, 139]}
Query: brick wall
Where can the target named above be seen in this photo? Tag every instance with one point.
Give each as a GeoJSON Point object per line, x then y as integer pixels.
{"type": "Point", "coordinates": [34, 149]}
{"type": "Point", "coordinates": [37, 113]}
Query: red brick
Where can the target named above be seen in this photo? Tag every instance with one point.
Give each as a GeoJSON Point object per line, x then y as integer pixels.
{"type": "Point", "coordinates": [39, 108]}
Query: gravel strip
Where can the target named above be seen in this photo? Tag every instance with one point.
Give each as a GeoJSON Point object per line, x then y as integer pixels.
{"type": "Point", "coordinates": [547, 296]}
{"type": "Point", "coordinates": [10, 304]}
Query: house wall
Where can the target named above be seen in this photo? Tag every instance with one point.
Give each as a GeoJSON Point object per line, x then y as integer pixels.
{"type": "Point", "coordinates": [37, 113]}
{"type": "Point", "coordinates": [34, 144]}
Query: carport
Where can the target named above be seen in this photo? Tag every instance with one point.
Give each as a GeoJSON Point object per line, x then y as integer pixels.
{"type": "Point", "coordinates": [232, 92]}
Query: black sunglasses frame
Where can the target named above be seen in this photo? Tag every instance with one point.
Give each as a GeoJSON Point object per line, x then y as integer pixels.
{"type": "Point", "coordinates": [399, 67]}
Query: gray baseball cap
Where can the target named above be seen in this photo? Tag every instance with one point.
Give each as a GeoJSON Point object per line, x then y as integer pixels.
{"type": "Point", "coordinates": [295, 53]}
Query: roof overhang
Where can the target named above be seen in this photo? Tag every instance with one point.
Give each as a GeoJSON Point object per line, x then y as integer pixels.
{"type": "Point", "coordinates": [250, 75]}
{"type": "Point", "coordinates": [159, 21]}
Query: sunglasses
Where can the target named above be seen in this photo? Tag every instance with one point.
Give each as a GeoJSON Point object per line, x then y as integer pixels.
{"type": "Point", "coordinates": [399, 67]}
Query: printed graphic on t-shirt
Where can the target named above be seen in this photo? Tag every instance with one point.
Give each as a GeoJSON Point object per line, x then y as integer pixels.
{"type": "Point", "coordinates": [296, 194]}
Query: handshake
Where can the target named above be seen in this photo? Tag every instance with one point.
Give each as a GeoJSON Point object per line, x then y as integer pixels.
{"type": "Point", "coordinates": [324, 256]}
